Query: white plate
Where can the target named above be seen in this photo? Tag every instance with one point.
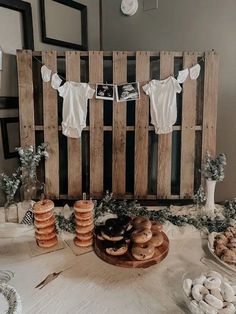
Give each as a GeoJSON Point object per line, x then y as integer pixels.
{"type": "Point", "coordinates": [210, 244]}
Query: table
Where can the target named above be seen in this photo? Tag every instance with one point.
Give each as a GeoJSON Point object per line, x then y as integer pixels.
{"type": "Point", "coordinates": [92, 286]}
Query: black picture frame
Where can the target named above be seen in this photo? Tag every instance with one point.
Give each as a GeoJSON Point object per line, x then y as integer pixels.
{"type": "Point", "coordinates": [9, 102]}
{"type": "Point", "coordinates": [25, 9]}
{"type": "Point", "coordinates": [84, 26]}
{"type": "Point", "coordinates": [5, 138]}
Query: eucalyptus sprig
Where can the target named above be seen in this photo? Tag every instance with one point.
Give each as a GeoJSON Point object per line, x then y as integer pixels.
{"type": "Point", "coordinates": [10, 184]}
{"type": "Point", "coordinates": [213, 168]}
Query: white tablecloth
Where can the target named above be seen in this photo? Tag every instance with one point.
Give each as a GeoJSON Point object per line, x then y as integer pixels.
{"type": "Point", "coordinates": [92, 286]}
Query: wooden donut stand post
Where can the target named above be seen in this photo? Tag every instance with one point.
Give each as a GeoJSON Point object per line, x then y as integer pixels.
{"type": "Point", "coordinates": [128, 260]}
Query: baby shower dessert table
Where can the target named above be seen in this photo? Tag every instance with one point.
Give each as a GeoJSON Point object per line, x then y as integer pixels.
{"type": "Point", "coordinates": [89, 285]}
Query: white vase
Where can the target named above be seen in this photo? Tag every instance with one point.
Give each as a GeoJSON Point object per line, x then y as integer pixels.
{"type": "Point", "coordinates": [210, 203]}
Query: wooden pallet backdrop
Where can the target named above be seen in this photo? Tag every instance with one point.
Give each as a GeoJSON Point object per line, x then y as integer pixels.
{"type": "Point", "coordinates": [197, 109]}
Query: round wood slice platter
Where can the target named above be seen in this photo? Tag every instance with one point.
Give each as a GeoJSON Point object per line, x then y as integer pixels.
{"type": "Point", "coordinates": [127, 260]}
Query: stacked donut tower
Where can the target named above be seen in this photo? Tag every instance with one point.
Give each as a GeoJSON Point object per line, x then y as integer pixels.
{"type": "Point", "coordinates": [44, 221]}
{"type": "Point", "coordinates": [84, 222]}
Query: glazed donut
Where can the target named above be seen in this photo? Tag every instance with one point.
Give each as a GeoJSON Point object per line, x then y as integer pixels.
{"type": "Point", "coordinates": [47, 230]}
{"type": "Point", "coordinates": [84, 223]}
{"type": "Point", "coordinates": [43, 217]}
{"type": "Point", "coordinates": [117, 249]}
{"type": "Point", "coordinates": [227, 292]}
{"type": "Point", "coordinates": [213, 301]}
{"type": "Point", "coordinates": [142, 223]}
{"type": "Point", "coordinates": [45, 224]}
{"type": "Point", "coordinates": [157, 239]}
{"type": "Point", "coordinates": [217, 294]}
{"type": "Point", "coordinates": [141, 236]}
{"type": "Point", "coordinates": [142, 252]}
{"type": "Point", "coordinates": [206, 308]}
{"type": "Point", "coordinates": [47, 243]}
{"type": "Point", "coordinates": [83, 206]}
{"type": "Point", "coordinates": [43, 206]}
{"type": "Point", "coordinates": [83, 216]}
{"type": "Point", "coordinates": [199, 280]}
{"type": "Point", "coordinates": [187, 286]}
{"type": "Point", "coordinates": [212, 283]}
{"type": "Point", "coordinates": [84, 236]}
{"type": "Point", "coordinates": [198, 291]}
{"type": "Point", "coordinates": [48, 236]}
{"type": "Point", "coordinates": [85, 229]}
{"type": "Point", "coordinates": [228, 308]}
{"type": "Point", "coordinates": [83, 243]}
{"type": "Point", "coordinates": [156, 226]}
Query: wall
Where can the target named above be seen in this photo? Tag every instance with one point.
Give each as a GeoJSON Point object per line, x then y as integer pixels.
{"type": "Point", "coordinates": [187, 25]}
{"type": "Point", "coordinates": [11, 40]}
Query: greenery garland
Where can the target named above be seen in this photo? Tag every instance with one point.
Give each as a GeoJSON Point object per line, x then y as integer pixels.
{"type": "Point", "coordinates": [131, 208]}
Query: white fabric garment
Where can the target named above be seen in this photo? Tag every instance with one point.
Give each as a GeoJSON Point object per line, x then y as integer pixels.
{"type": "Point", "coordinates": [45, 73]}
{"type": "Point", "coordinates": [162, 95]}
{"type": "Point", "coordinates": [75, 96]}
{"type": "Point", "coordinates": [195, 71]}
{"type": "Point", "coordinates": [182, 76]}
{"type": "Point", "coordinates": [56, 81]}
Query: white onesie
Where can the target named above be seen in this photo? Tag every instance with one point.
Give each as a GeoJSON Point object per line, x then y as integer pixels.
{"type": "Point", "coordinates": [162, 95]}
{"type": "Point", "coordinates": [74, 114]}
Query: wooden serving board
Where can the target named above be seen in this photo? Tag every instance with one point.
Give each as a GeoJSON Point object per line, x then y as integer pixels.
{"type": "Point", "coordinates": [127, 260]}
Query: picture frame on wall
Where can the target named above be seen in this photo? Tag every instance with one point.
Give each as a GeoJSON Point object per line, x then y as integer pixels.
{"type": "Point", "coordinates": [74, 34]}
{"type": "Point", "coordinates": [27, 23]}
{"type": "Point", "coordinates": [10, 136]}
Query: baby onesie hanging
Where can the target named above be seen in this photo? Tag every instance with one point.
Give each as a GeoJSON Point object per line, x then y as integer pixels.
{"type": "Point", "coordinates": [195, 71]}
{"type": "Point", "coordinates": [45, 73]}
{"type": "Point", "coordinates": [56, 81]}
{"type": "Point", "coordinates": [182, 76]}
{"type": "Point", "coordinates": [74, 113]}
{"type": "Point", "coordinates": [163, 106]}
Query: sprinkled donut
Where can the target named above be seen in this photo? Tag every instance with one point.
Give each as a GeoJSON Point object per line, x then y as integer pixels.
{"type": "Point", "coordinates": [142, 223]}
{"type": "Point", "coordinates": [157, 238]}
{"type": "Point", "coordinates": [156, 226]}
{"type": "Point", "coordinates": [141, 236]}
{"type": "Point", "coordinates": [117, 249]}
{"type": "Point", "coordinates": [143, 252]}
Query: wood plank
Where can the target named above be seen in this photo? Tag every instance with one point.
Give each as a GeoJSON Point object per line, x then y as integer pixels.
{"type": "Point", "coordinates": [50, 118]}
{"type": "Point", "coordinates": [210, 103]}
{"type": "Point", "coordinates": [74, 144]}
{"type": "Point", "coordinates": [119, 127]}
{"type": "Point", "coordinates": [26, 97]}
{"type": "Point", "coordinates": [96, 126]}
{"type": "Point", "coordinates": [110, 53]}
{"type": "Point", "coordinates": [165, 140]}
{"type": "Point", "coordinates": [188, 130]}
{"type": "Point", "coordinates": [141, 127]}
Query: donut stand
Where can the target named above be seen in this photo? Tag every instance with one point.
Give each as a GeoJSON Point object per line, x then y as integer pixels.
{"type": "Point", "coordinates": [127, 260]}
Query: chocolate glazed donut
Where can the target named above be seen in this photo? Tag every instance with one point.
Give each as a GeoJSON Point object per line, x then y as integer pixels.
{"type": "Point", "coordinates": [113, 230]}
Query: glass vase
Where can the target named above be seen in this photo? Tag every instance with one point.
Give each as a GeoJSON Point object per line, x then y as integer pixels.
{"type": "Point", "coordinates": [31, 188]}
{"type": "Point", "coordinates": [11, 210]}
